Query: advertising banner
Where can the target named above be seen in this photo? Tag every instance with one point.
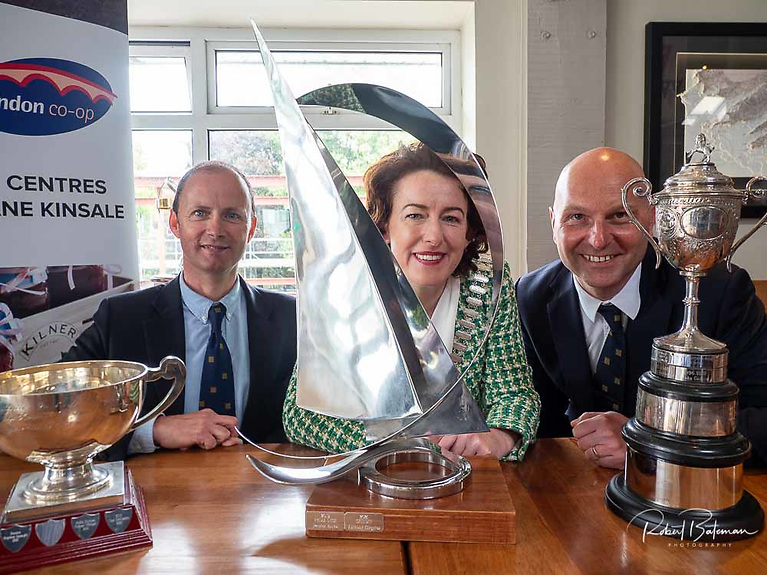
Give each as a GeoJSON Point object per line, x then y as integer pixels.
{"type": "Point", "coordinates": [67, 224]}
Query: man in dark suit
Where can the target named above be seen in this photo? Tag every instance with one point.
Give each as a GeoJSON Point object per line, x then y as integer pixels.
{"type": "Point", "coordinates": [238, 342]}
{"type": "Point", "coordinates": [605, 259]}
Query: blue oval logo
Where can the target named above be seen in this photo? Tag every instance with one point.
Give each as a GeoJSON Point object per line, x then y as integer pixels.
{"type": "Point", "coordinates": [45, 96]}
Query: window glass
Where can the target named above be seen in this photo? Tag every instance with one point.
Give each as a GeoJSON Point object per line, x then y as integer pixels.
{"type": "Point", "coordinates": [241, 79]}
{"type": "Point", "coordinates": [268, 261]}
{"type": "Point", "coordinates": [157, 157]}
{"type": "Point", "coordinates": [159, 84]}
{"type": "Point", "coordinates": [167, 120]}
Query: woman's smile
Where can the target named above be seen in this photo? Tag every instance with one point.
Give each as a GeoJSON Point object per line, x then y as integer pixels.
{"type": "Point", "coordinates": [427, 231]}
{"type": "Point", "coordinates": [429, 258]}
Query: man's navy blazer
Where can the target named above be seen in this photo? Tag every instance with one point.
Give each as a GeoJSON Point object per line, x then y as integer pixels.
{"type": "Point", "coordinates": [556, 349]}
{"type": "Point", "coordinates": [147, 325]}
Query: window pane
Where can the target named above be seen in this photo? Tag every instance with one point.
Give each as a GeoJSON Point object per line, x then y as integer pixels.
{"type": "Point", "coordinates": [157, 155]}
{"type": "Point", "coordinates": [269, 259]}
{"type": "Point", "coordinates": [241, 79]}
{"type": "Point", "coordinates": [161, 152]}
{"type": "Point", "coordinates": [159, 84]}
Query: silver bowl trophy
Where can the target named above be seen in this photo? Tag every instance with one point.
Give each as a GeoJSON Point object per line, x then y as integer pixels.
{"type": "Point", "coordinates": [684, 460]}
{"type": "Point", "coordinates": [367, 350]}
{"type": "Point", "coordinates": [61, 416]}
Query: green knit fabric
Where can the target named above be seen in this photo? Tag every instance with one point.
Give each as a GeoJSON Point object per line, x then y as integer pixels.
{"type": "Point", "coordinates": [500, 381]}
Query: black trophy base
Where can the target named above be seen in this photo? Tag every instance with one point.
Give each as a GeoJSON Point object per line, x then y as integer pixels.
{"type": "Point", "coordinates": [741, 521]}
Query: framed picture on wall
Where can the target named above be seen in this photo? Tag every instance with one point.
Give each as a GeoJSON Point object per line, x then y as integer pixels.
{"type": "Point", "coordinates": [708, 78]}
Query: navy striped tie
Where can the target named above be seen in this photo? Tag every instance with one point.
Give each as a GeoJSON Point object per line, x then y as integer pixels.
{"type": "Point", "coordinates": [217, 383]}
{"type": "Point", "coordinates": [611, 369]}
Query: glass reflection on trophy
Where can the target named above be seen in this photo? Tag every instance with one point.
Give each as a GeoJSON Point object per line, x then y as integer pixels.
{"type": "Point", "coordinates": [62, 416]}
{"type": "Point", "coordinates": [684, 455]}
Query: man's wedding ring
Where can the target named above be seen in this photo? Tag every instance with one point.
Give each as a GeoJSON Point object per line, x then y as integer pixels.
{"type": "Point", "coordinates": [595, 452]}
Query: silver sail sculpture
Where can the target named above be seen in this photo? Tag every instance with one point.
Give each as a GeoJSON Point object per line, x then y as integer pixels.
{"type": "Point", "coordinates": [367, 350]}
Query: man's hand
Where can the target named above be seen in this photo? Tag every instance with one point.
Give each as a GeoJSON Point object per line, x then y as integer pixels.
{"type": "Point", "coordinates": [599, 437]}
{"type": "Point", "coordinates": [497, 442]}
{"type": "Point", "coordinates": [204, 428]}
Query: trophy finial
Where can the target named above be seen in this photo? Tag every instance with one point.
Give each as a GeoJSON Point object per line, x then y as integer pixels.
{"type": "Point", "coordinates": [702, 147]}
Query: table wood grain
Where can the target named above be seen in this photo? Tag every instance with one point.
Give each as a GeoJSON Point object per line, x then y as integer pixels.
{"type": "Point", "coordinates": [212, 513]}
{"type": "Point", "coordinates": [563, 526]}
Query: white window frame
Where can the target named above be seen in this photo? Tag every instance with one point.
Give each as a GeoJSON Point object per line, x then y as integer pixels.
{"type": "Point", "coordinates": [197, 46]}
{"type": "Point", "coordinates": [199, 52]}
{"type": "Point", "coordinates": [311, 111]}
{"type": "Point", "coordinates": [171, 50]}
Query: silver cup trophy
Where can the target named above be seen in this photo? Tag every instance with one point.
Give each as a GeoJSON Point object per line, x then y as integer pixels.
{"type": "Point", "coordinates": [684, 461]}
{"type": "Point", "coordinates": [61, 416]}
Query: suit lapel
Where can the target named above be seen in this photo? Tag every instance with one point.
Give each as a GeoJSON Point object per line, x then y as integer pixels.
{"type": "Point", "coordinates": [566, 328]}
{"type": "Point", "coordinates": [164, 335]}
{"type": "Point", "coordinates": [260, 348]}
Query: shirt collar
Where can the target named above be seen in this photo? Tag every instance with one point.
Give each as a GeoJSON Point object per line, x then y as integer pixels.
{"type": "Point", "coordinates": [444, 314]}
{"type": "Point", "coordinates": [199, 304]}
{"type": "Point", "coordinates": [627, 300]}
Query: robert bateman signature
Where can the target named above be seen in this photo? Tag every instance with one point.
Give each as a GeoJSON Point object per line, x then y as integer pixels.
{"type": "Point", "coordinates": [701, 526]}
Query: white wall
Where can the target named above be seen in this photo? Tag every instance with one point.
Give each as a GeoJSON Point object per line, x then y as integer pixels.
{"type": "Point", "coordinates": [626, 21]}
{"type": "Point", "coordinates": [565, 103]}
{"type": "Point", "coordinates": [501, 97]}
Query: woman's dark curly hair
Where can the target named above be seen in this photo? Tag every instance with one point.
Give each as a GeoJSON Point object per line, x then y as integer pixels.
{"type": "Point", "coordinates": [381, 178]}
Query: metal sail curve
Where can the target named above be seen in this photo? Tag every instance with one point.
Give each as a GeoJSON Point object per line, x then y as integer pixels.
{"type": "Point", "coordinates": [367, 349]}
{"type": "Point", "coordinates": [418, 120]}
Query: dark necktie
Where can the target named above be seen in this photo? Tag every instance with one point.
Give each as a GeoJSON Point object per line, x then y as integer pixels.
{"type": "Point", "coordinates": [217, 383]}
{"type": "Point", "coordinates": [611, 369]}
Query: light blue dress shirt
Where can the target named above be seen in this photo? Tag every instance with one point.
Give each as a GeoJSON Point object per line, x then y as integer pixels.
{"type": "Point", "coordinates": [595, 327]}
{"type": "Point", "coordinates": [197, 333]}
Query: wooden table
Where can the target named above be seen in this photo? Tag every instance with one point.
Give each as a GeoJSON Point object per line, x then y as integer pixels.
{"type": "Point", "coordinates": [563, 526]}
{"type": "Point", "coordinates": [212, 513]}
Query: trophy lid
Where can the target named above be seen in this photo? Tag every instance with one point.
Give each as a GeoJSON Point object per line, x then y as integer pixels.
{"type": "Point", "coordinates": [699, 177]}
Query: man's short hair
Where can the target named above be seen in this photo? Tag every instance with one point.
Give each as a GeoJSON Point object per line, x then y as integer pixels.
{"type": "Point", "coordinates": [212, 166]}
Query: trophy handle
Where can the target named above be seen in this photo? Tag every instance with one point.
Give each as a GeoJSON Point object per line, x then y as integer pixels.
{"type": "Point", "coordinates": [756, 194]}
{"type": "Point", "coordinates": [641, 191]}
{"type": "Point", "coordinates": [170, 367]}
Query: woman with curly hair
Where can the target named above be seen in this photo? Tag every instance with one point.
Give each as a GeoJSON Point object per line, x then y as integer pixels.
{"type": "Point", "coordinates": [437, 237]}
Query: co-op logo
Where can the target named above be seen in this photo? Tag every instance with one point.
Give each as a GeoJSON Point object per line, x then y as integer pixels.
{"type": "Point", "coordinates": [43, 96]}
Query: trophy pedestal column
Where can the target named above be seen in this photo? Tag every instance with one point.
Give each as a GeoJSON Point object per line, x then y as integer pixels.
{"type": "Point", "coordinates": [111, 520]}
{"type": "Point", "coordinates": [684, 456]}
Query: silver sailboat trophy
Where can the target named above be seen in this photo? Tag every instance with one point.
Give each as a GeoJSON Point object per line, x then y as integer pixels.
{"type": "Point", "coordinates": [367, 350]}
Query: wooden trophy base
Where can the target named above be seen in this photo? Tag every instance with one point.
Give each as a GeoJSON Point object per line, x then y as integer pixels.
{"type": "Point", "coordinates": [75, 535]}
{"type": "Point", "coordinates": [482, 513]}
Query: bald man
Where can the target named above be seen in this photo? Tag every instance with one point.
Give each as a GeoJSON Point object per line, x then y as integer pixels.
{"type": "Point", "coordinates": [605, 279]}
